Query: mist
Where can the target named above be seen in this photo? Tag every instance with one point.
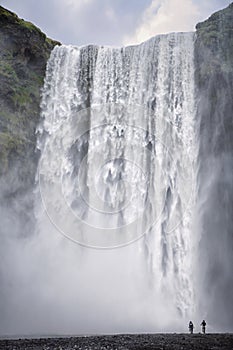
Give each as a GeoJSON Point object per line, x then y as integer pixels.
{"type": "Point", "coordinates": [52, 286]}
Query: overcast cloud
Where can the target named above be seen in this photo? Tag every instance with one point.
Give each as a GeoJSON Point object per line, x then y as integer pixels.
{"type": "Point", "coordinates": [112, 22]}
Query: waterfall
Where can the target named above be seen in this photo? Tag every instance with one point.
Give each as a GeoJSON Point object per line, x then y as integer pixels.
{"type": "Point", "coordinates": [116, 177]}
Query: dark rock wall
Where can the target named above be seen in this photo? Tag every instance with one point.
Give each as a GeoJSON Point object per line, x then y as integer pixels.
{"type": "Point", "coordinates": [214, 87]}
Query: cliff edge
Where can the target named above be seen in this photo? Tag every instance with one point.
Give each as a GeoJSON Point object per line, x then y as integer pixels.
{"type": "Point", "coordinates": [24, 51]}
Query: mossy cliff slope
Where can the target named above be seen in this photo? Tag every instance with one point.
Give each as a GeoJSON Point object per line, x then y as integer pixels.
{"type": "Point", "coordinates": [214, 88]}
{"type": "Point", "coordinates": [24, 51]}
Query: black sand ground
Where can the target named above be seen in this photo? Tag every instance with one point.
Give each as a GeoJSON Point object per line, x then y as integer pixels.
{"type": "Point", "coordinates": [120, 342]}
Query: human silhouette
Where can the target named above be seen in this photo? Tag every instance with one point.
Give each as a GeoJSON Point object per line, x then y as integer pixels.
{"type": "Point", "coordinates": [191, 326]}
{"type": "Point", "coordinates": [203, 324]}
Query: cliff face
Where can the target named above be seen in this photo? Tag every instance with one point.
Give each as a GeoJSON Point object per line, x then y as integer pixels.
{"type": "Point", "coordinates": [24, 51]}
{"type": "Point", "coordinates": [214, 87]}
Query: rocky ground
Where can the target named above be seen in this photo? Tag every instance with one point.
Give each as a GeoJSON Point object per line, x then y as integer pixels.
{"type": "Point", "coordinates": [120, 342]}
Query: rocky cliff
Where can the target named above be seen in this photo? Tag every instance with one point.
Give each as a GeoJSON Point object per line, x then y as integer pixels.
{"type": "Point", "coordinates": [214, 88]}
{"type": "Point", "coordinates": [24, 51]}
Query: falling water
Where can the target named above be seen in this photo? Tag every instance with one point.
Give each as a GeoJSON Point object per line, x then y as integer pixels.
{"type": "Point", "coordinates": [116, 178]}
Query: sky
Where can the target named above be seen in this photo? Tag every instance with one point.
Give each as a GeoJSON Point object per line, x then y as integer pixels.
{"type": "Point", "coordinates": [112, 22]}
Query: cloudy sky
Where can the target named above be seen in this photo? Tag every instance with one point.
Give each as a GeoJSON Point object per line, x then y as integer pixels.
{"type": "Point", "coordinates": [112, 22]}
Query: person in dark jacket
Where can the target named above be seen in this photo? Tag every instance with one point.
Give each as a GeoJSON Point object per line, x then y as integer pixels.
{"type": "Point", "coordinates": [191, 326]}
{"type": "Point", "coordinates": [203, 324]}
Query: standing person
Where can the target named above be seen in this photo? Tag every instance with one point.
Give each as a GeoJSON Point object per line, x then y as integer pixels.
{"type": "Point", "coordinates": [203, 324]}
{"type": "Point", "coordinates": [191, 326]}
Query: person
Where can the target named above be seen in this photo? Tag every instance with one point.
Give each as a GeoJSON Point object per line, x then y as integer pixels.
{"type": "Point", "coordinates": [191, 326]}
{"type": "Point", "coordinates": [203, 324]}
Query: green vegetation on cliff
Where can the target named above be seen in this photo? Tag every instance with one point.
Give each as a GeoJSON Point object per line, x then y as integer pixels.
{"type": "Point", "coordinates": [24, 51]}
